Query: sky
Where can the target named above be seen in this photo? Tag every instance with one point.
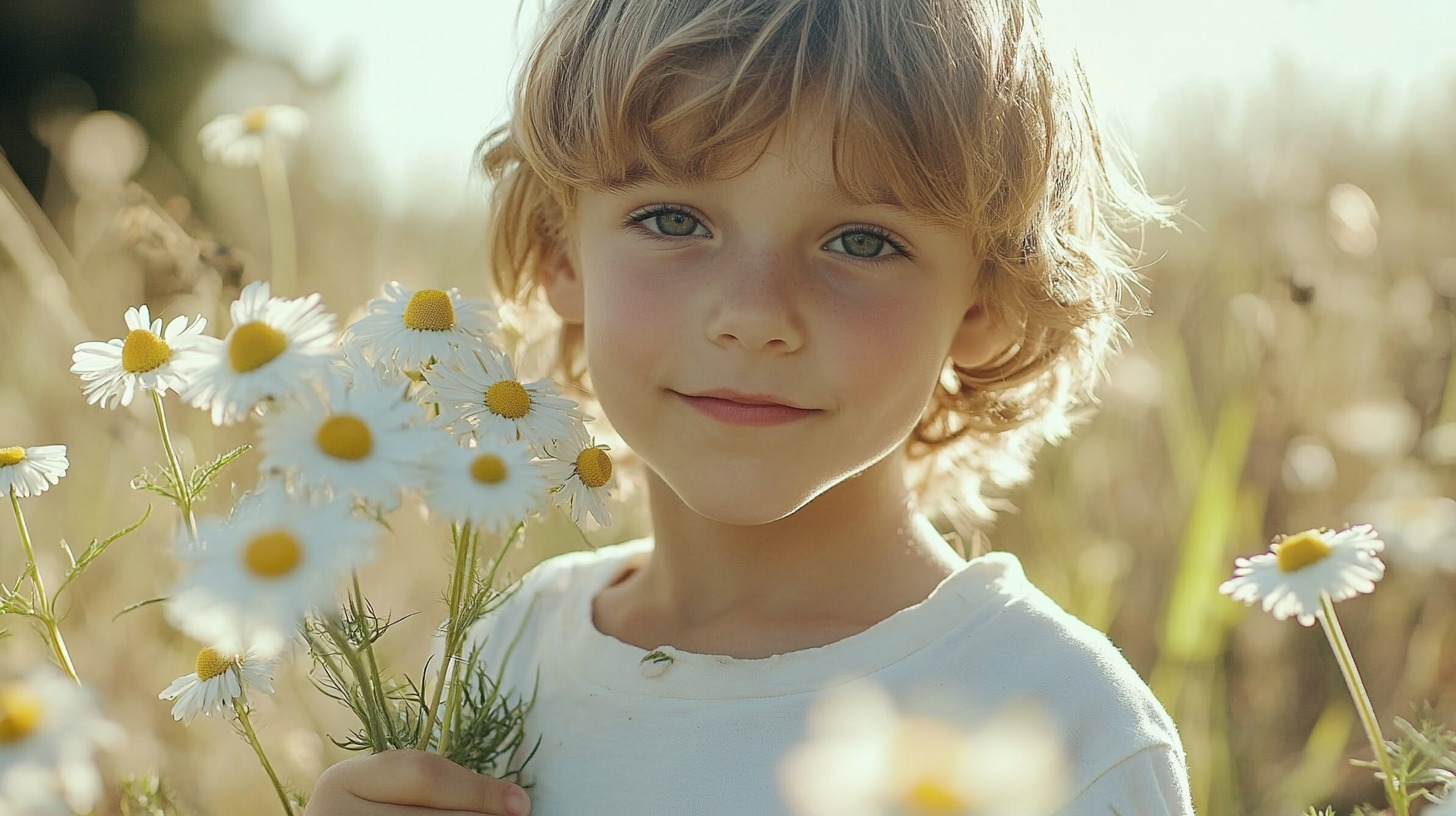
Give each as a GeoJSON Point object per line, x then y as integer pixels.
{"type": "Point", "coordinates": [422, 81]}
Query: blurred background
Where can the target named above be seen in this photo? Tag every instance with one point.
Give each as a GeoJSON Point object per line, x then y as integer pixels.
{"type": "Point", "coordinates": [1295, 370]}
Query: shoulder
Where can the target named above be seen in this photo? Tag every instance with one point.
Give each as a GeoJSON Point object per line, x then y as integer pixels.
{"type": "Point", "coordinates": [1022, 647]}
{"type": "Point", "coordinates": [535, 605]}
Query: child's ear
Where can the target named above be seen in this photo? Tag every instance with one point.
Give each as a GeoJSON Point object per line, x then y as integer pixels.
{"type": "Point", "coordinates": [982, 340]}
{"type": "Point", "coordinates": [562, 284]}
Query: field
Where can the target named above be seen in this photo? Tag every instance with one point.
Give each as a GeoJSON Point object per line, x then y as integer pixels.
{"type": "Point", "coordinates": [1294, 369]}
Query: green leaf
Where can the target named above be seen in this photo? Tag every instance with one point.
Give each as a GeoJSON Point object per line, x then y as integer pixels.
{"type": "Point", "coordinates": [203, 476]}
{"type": "Point", "coordinates": [138, 605]}
{"type": "Point", "coordinates": [94, 551]}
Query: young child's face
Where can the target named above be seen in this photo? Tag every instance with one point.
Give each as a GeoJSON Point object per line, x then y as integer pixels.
{"type": "Point", "coordinates": [759, 339]}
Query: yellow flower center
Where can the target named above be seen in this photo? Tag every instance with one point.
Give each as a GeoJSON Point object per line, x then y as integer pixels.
{"type": "Point", "coordinates": [488, 469]}
{"type": "Point", "coordinates": [1301, 550]}
{"type": "Point", "coordinates": [930, 796]}
{"type": "Point", "coordinates": [210, 664]}
{"type": "Point", "coordinates": [272, 555]}
{"type": "Point", "coordinates": [255, 120]}
{"type": "Point", "coordinates": [345, 436]}
{"type": "Point", "coordinates": [594, 467]}
{"type": "Point", "coordinates": [144, 351]}
{"type": "Point", "coordinates": [430, 310]}
{"type": "Point", "coordinates": [20, 712]}
{"type": "Point", "coordinates": [254, 345]}
{"type": "Point", "coordinates": [509, 399]}
{"type": "Point", "coordinates": [11, 456]}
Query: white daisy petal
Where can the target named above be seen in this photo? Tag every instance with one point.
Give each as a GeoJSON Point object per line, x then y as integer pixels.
{"type": "Point", "coordinates": [481, 394]}
{"type": "Point", "coordinates": [1289, 580]}
{"type": "Point", "coordinates": [582, 473]}
{"type": "Point", "coordinates": [259, 573]}
{"type": "Point", "coordinates": [31, 471]}
{"type": "Point", "coordinates": [493, 486]}
{"type": "Point", "coordinates": [237, 140]}
{"type": "Point", "coordinates": [411, 328]}
{"type": "Point", "coordinates": [366, 440]}
{"type": "Point", "coordinates": [149, 358]}
{"type": "Point", "coordinates": [277, 349]}
{"type": "Point", "coordinates": [219, 680]}
{"type": "Point", "coordinates": [53, 730]}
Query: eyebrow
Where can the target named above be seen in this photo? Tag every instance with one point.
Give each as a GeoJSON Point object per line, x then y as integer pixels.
{"type": "Point", "coordinates": [879, 197]}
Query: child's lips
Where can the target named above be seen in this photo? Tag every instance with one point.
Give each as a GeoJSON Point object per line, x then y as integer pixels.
{"type": "Point", "coordinates": [739, 408]}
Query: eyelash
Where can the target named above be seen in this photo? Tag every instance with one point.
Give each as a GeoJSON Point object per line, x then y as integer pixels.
{"type": "Point", "coordinates": [637, 217]}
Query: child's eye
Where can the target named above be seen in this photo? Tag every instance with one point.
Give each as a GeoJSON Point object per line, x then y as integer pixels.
{"type": "Point", "coordinates": [866, 242]}
{"type": "Point", "coordinates": [669, 220]}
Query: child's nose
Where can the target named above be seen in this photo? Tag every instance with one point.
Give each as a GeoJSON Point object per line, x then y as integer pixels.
{"type": "Point", "coordinates": [753, 307]}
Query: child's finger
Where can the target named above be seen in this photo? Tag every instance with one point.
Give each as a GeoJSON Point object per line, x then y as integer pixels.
{"type": "Point", "coordinates": [406, 777]}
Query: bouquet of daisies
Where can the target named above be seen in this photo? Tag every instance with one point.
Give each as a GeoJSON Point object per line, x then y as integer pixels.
{"type": "Point", "coordinates": [413, 401]}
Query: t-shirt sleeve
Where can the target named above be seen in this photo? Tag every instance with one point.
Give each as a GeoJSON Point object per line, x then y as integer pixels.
{"type": "Point", "coordinates": [1151, 782]}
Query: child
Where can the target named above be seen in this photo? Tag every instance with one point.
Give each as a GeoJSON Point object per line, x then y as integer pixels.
{"type": "Point", "coordinates": [821, 258]}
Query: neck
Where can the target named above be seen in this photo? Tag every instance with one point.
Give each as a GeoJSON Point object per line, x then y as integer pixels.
{"type": "Point", "coordinates": [850, 558]}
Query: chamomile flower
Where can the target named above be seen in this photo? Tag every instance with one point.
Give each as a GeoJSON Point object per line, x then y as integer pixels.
{"type": "Point", "coordinates": [149, 358]}
{"type": "Point", "coordinates": [482, 392]}
{"type": "Point", "coordinates": [275, 349]}
{"type": "Point", "coordinates": [238, 139]}
{"type": "Point", "coordinates": [49, 732]}
{"type": "Point", "coordinates": [494, 485]}
{"type": "Point", "coordinates": [582, 473]}
{"type": "Point", "coordinates": [257, 575]}
{"type": "Point", "coordinates": [862, 757]}
{"type": "Point", "coordinates": [412, 328]}
{"type": "Point", "coordinates": [219, 679]}
{"type": "Point", "coordinates": [31, 471]}
{"type": "Point", "coordinates": [1290, 578]}
{"type": "Point", "coordinates": [364, 440]}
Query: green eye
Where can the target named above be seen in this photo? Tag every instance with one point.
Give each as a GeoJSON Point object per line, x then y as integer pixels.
{"type": "Point", "coordinates": [675, 224]}
{"type": "Point", "coordinates": [863, 244]}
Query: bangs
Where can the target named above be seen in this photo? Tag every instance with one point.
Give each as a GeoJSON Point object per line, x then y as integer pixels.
{"type": "Point", "coordinates": [694, 91]}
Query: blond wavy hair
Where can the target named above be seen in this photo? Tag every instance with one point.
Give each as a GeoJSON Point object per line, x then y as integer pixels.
{"type": "Point", "coordinates": [958, 106]}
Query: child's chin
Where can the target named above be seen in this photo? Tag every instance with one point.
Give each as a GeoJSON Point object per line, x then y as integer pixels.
{"type": "Point", "coordinates": [745, 505]}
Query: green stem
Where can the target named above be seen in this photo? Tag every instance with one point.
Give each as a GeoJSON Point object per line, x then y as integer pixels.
{"type": "Point", "coordinates": [375, 681]}
{"type": "Point", "coordinates": [374, 722]}
{"type": "Point", "coordinates": [457, 621]}
{"type": "Point", "coordinates": [279, 204]}
{"type": "Point", "coordinates": [184, 490]}
{"type": "Point", "coordinates": [1346, 660]}
{"type": "Point", "coordinates": [461, 535]}
{"type": "Point", "coordinates": [46, 612]}
{"type": "Point", "coordinates": [241, 707]}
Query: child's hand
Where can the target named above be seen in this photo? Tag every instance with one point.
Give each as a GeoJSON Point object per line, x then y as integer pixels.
{"type": "Point", "coordinates": [411, 782]}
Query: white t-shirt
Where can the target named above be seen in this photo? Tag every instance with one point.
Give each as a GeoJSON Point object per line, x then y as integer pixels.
{"type": "Point", "coordinates": [703, 735]}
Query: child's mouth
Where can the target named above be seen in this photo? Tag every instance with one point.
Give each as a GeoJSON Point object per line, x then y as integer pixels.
{"type": "Point", "coordinates": [736, 408]}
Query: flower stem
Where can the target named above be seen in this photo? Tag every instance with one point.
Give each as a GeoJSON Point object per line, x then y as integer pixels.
{"type": "Point", "coordinates": [46, 612]}
{"type": "Point", "coordinates": [241, 707]}
{"type": "Point", "coordinates": [184, 490]}
{"type": "Point", "coordinates": [374, 721]}
{"type": "Point", "coordinates": [279, 205]}
{"type": "Point", "coordinates": [375, 683]}
{"type": "Point", "coordinates": [1346, 660]}
{"type": "Point", "coordinates": [464, 563]}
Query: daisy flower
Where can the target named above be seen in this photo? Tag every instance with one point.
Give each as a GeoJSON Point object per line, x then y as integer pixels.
{"type": "Point", "coordinates": [582, 473]}
{"type": "Point", "coordinates": [237, 140]}
{"type": "Point", "coordinates": [150, 358]}
{"type": "Point", "coordinates": [31, 471]}
{"type": "Point", "coordinates": [218, 681]}
{"type": "Point", "coordinates": [362, 440]}
{"type": "Point", "coordinates": [49, 732]}
{"type": "Point", "coordinates": [862, 757]}
{"type": "Point", "coordinates": [275, 347]}
{"type": "Point", "coordinates": [493, 485]}
{"type": "Point", "coordinates": [259, 574]}
{"type": "Point", "coordinates": [1298, 569]}
{"type": "Point", "coordinates": [412, 328]}
{"type": "Point", "coordinates": [483, 392]}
